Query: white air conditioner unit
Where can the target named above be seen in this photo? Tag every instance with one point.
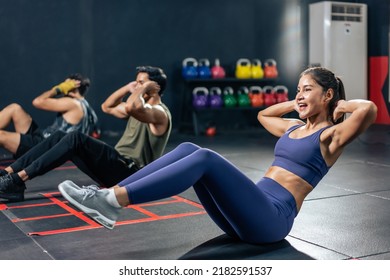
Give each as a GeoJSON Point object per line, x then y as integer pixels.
{"type": "Point", "coordinates": [338, 41]}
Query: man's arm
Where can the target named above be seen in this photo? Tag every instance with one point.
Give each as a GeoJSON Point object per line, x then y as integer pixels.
{"type": "Point", "coordinates": [148, 112]}
{"type": "Point", "coordinates": [47, 102]}
{"type": "Point", "coordinates": [114, 104]}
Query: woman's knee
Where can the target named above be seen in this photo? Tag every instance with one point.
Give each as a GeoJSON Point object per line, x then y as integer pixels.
{"type": "Point", "coordinates": [208, 152]}
{"type": "Point", "coordinates": [188, 146]}
{"type": "Point", "coordinates": [205, 155]}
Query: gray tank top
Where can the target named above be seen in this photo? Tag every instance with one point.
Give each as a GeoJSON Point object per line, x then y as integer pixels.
{"type": "Point", "coordinates": [86, 125]}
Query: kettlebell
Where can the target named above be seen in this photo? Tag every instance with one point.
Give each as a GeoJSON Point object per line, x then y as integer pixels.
{"type": "Point", "coordinates": [257, 70]}
{"type": "Point", "coordinates": [215, 98]}
{"type": "Point", "coordinates": [243, 69]}
{"type": "Point", "coordinates": [217, 71]}
{"type": "Point", "coordinates": [200, 97]}
{"type": "Point", "coordinates": [256, 96]}
{"type": "Point", "coordinates": [269, 96]}
{"type": "Point", "coordinates": [270, 69]}
{"type": "Point", "coordinates": [243, 97]}
{"type": "Point", "coordinates": [229, 100]}
{"type": "Point", "coordinates": [211, 131]}
{"type": "Point", "coordinates": [281, 93]}
{"type": "Point", "coordinates": [204, 71]}
{"type": "Point", "coordinates": [189, 68]}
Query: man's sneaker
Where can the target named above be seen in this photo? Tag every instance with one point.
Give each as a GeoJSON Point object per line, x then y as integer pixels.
{"type": "Point", "coordinates": [92, 202]}
{"type": "Point", "coordinates": [6, 182]}
{"type": "Point", "coordinates": [10, 190]}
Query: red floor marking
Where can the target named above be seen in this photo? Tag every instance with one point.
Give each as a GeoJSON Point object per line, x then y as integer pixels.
{"type": "Point", "coordinates": [154, 203]}
{"type": "Point", "coordinates": [76, 213]}
{"type": "Point", "coordinates": [159, 218]}
{"type": "Point", "coordinates": [174, 199]}
{"type": "Point", "coordinates": [65, 167]}
{"type": "Point", "coordinates": [151, 216]}
{"type": "Point", "coordinates": [181, 199]}
{"type": "Point", "coordinates": [17, 220]}
{"type": "Point", "coordinates": [65, 230]}
{"type": "Point", "coordinates": [144, 211]}
{"type": "Point", "coordinates": [33, 205]}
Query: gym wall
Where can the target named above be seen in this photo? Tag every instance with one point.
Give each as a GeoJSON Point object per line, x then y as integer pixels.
{"type": "Point", "coordinates": [43, 41]}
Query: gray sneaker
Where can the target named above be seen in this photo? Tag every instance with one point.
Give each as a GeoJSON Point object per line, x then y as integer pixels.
{"type": "Point", "coordinates": [73, 185]}
{"type": "Point", "coordinates": [91, 201]}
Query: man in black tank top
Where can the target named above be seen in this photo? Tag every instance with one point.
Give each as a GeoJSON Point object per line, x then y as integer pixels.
{"type": "Point", "coordinates": [149, 127]}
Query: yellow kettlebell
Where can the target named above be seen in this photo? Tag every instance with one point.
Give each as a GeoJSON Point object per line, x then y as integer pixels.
{"type": "Point", "coordinates": [257, 70]}
{"type": "Point", "coordinates": [243, 69]}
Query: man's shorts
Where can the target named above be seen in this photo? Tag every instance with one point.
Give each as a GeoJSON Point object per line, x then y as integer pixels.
{"type": "Point", "coordinates": [32, 137]}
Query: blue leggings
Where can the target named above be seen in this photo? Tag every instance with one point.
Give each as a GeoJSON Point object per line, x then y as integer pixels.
{"type": "Point", "coordinates": [256, 213]}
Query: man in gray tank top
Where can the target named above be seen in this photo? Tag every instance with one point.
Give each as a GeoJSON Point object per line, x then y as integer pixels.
{"type": "Point", "coordinates": [149, 125]}
{"type": "Point", "coordinates": [67, 99]}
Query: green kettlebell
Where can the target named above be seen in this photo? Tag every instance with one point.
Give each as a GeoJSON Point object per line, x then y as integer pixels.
{"type": "Point", "coordinates": [243, 97]}
{"type": "Point", "coordinates": [229, 100]}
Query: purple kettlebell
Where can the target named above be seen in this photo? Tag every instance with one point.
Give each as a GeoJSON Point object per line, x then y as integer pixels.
{"type": "Point", "coordinates": [216, 100]}
{"type": "Point", "coordinates": [200, 97]}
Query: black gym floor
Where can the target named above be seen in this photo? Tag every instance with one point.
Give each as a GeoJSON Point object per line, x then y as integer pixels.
{"type": "Point", "coordinates": [346, 217]}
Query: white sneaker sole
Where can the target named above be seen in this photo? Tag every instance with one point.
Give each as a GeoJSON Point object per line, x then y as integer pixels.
{"type": "Point", "coordinates": [94, 214]}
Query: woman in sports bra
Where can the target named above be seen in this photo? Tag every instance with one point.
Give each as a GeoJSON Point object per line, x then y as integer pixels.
{"type": "Point", "coordinates": [258, 212]}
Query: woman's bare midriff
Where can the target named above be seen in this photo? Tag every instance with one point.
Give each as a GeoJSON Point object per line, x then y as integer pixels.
{"type": "Point", "coordinates": [298, 187]}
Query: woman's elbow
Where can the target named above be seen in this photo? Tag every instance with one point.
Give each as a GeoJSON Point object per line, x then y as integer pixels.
{"type": "Point", "coordinates": [369, 112]}
{"type": "Point", "coordinates": [373, 111]}
{"type": "Point", "coordinates": [260, 116]}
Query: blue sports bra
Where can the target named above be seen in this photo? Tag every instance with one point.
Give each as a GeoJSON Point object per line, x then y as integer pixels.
{"type": "Point", "coordinates": [301, 156]}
